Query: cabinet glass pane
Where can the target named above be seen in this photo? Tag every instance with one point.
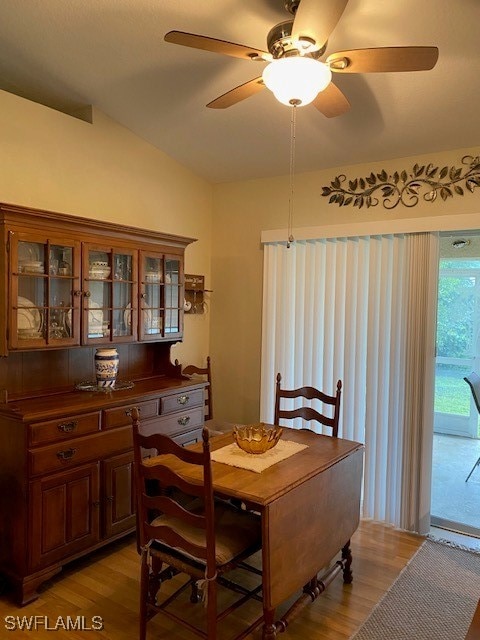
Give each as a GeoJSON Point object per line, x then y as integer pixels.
{"type": "Point", "coordinates": [31, 301]}
{"type": "Point", "coordinates": [172, 321]}
{"type": "Point", "coordinates": [152, 316]}
{"type": "Point", "coordinates": [172, 271]}
{"type": "Point", "coordinates": [172, 296]}
{"type": "Point", "coordinates": [60, 308]}
{"type": "Point", "coordinates": [31, 308]}
{"type": "Point", "coordinates": [122, 267]}
{"type": "Point", "coordinates": [31, 257]}
{"type": "Point", "coordinates": [60, 261]}
{"type": "Point", "coordinates": [60, 292]}
{"type": "Point", "coordinates": [100, 309]}
{"type": "Point", "coordinates": [121, 309]}
{"type": "Point", "coordinates": [153, 269]}
{"type": "Point", "coordinates": [99, 267]}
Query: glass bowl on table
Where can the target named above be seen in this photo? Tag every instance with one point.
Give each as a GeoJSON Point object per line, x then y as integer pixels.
{"type": "Point", "coordinates": [256, 438]}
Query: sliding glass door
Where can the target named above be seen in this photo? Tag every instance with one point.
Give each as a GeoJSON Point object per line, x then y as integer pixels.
{"type": "Point", "coordinates": [456, 445]}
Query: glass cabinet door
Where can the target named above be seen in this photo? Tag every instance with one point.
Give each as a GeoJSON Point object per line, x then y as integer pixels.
{"type": "Point", "coordinates": [45, 292]}
{"type": "Point", "coordinates": [161, 281]}
{"type": "Point", "coordinates": [173, 296]}
{"type": "Point", "coordinates": [151, 296]}
{"type": "Point", "coordinates": [110, 291]}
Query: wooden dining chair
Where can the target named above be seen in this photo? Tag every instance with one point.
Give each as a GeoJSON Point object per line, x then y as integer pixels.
{"type": "Point", "coordinates": [192, 370]}
{"type": "Point", "coordinates": [181, 529]}
{"type": "Point", "coordinates": [473, 381]}
{"type": "Point", "coordinates": [307, 412]}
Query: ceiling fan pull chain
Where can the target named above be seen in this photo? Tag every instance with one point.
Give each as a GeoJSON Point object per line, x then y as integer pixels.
{"type": "Point", "coordinates": [292, 175]}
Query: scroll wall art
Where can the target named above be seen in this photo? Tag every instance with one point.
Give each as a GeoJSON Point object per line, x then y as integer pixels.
{"type": "Point", "coordinates": [427, 182]}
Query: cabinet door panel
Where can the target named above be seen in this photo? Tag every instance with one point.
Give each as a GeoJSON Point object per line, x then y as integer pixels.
{"type": "Point", "coordinates": [110, 294]}
{"type": "Point", "coordinates": [65, 515]}
{"type": "Point", "coordinates": [44, 279]}
{"type": "Point", "coordinates": [119, 494]}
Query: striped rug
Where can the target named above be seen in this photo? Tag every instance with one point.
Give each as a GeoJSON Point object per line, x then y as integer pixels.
{"type": "Point", "coordinates": [434, 598]}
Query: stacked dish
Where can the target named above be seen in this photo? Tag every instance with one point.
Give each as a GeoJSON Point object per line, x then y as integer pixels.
{"type": "Point", "coordinates": [153, 276]}
{"type": "Point", "coordinates": [99, 270]}
{"type": "Point", "coordinates": [31, 266]}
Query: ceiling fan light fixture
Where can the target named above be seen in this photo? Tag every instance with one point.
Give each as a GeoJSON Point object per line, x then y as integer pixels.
{"type": "Point", "coordinates": [296, 80]}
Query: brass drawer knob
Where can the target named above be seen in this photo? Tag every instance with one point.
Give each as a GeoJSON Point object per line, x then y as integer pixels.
{"type": "Point", "coordinates": [183, 399]}
{"type": "Point", "coordinates": [183, 421]}
{"type": "Point", "coordinates": [67, 427]}
{"type": "Point", "coordinates": [67, 454]}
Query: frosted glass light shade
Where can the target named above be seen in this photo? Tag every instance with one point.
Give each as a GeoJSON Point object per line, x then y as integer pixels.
{"type": "Point", "coordinates": [296, 80]}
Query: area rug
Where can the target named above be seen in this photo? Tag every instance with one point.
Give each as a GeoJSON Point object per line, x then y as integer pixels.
{"type": "Point", "coordinates": [434, 598]}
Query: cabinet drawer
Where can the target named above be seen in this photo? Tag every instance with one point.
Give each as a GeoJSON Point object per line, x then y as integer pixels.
{"type": "Point", "coordinates": [121, 416]}
{"type": "Point", "coordinates": [68, 454]}
{"type": "Point", "coordinates": [61, 429]}
{"type": "Point", "coordinates": [180, 401]}
{"type": "Point", "coordinates": [192, 437]}
{"type": "Point", "coordinates": [178, 423]}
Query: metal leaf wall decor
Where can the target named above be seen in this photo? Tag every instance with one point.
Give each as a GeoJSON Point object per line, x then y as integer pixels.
{"type": "Point", "coordinates": [424, 181]}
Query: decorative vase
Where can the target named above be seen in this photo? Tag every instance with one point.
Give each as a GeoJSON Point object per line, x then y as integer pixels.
{"type": "Point", "coordinates": [106, 366]}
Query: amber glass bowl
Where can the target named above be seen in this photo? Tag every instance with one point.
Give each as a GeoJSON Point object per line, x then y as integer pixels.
{"type": "Point", "coordinates": [256, 438]}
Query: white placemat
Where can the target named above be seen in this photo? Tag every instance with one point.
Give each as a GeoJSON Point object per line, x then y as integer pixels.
{"type": "Point", "coordinates": [234, 456]}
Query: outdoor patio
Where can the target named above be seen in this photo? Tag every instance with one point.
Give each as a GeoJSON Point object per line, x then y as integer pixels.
{"type": "Point", "coordinates": [453, 499]}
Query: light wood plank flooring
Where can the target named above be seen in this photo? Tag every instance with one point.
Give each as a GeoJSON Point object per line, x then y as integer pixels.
{"type": "Point", "coordinates": [106, 585]}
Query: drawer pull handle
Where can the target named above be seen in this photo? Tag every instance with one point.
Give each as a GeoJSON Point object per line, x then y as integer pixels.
{"type": "Point", "coordinates": [68, 427]}
{"type": "Point", "coordinates": [109, 498]}
{"type": "Point", "coordinates": [183, 399]}
{"type": "Point", "coordinates": [128, 412]}
{"type": "Point", "coordinates": [183, 421]}
{"type": "Point", "coordinates": [67, 454]}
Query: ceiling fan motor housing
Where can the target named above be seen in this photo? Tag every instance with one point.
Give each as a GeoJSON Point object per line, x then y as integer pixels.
{"type": "Point", "coordinates": [281, 44]}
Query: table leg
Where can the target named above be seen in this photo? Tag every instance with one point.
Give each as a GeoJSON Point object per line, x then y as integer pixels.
{"type": "Point", "coordinates": [269, 629]}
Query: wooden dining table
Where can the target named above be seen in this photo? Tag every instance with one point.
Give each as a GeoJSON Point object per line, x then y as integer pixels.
{"type": "Point", "coordinates": [310, 507]}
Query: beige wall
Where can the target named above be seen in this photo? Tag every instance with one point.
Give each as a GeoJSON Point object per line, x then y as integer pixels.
{"type": "Point", "coordinates": [52, 161]}
{"type": "Point", "coordinates": [242, 211]}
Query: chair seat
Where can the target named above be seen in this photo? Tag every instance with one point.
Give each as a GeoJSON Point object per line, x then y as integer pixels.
{"type": "Point", "coordinates": [235, 532]}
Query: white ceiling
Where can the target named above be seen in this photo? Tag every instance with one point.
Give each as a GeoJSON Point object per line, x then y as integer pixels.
{"type": "Point", "coordinates": [111, 54]}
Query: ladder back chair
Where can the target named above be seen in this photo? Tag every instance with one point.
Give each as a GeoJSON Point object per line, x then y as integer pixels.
{"type": "Point", "coordinates": [190, 370]}
{"type": "Point", "coordinates": [473, 381]}
{"type": "Point", "coordinates": [308, 413]}
{"type": "Point", "coordinates": [181, 529]}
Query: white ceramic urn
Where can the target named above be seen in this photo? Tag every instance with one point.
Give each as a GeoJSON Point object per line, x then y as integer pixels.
{"type": "Point", "coordinates": [106, 366]}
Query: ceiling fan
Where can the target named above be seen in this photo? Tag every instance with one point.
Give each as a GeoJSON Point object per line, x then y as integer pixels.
{"type": "Point", "coordinates": [295, 47]}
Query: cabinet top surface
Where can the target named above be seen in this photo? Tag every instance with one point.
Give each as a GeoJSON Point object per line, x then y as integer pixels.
{"type": "Point", "coordinates": [72, 402]}
{"type": "Point", "coordinates": [78, 225]}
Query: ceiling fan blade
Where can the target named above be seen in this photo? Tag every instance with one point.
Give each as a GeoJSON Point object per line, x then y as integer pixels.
{"type": "Point", "coordinates": [331, 102]}
{"type": "Point", "coordinates": [238, 94]}
{"type": "Point", "coordinates": [216, 46]}
{"type": "Point", "coordinates": [317, 20]}
{"type": "Point", "coordinates": [384, 59]}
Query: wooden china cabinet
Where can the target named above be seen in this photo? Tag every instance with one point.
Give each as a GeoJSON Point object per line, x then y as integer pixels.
{"type": "Point", "coordinates": [69, 285]}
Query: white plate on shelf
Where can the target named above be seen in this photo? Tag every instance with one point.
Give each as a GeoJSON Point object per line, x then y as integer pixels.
{"type": "Point", "coordinates": [127, 315]}
{"type": "Point", "coordinates": [28, 316]}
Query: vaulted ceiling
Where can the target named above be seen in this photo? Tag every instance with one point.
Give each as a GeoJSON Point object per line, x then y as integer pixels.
{"type": "Point", "coordinates": [111, 54]}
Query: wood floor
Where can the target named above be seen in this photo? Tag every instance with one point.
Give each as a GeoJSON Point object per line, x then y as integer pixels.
{"type": "Point", "coordinates": [106, 585]}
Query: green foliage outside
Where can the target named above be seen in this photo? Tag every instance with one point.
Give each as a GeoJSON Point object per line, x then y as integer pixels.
{"type": "Point", "coordinates": [455, 335]}
{"type": "Point", "coordinates": [456, 304]}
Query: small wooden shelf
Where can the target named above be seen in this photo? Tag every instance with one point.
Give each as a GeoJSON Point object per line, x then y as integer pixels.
{"type": "Point", "coordinates": [195, 293]}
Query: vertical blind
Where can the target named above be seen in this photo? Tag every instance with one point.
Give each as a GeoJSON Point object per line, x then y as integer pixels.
{"type": "Point", "coordinates": [362, 310]}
